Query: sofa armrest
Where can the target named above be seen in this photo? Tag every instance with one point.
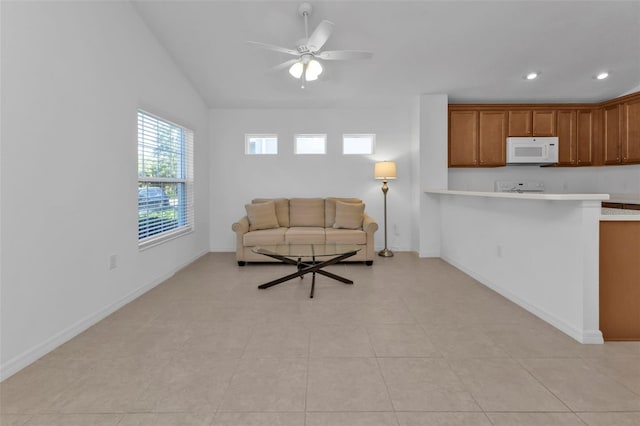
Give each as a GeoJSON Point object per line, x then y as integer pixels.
{"type": "Point", "coordinates": [369, 224]}
{"type": "Point", "coordinates": [241, 226]}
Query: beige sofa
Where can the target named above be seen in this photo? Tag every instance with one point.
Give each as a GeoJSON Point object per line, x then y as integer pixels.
{"type": "Point", "coordinates": [305, 221]}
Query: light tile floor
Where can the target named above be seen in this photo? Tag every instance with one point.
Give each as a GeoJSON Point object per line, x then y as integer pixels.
{"type": "Point", "coordinates": [412, 342]}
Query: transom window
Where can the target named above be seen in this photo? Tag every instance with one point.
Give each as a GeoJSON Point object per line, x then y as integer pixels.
{"type": "Point", "coordinates": [260, 144]}
{"type": "Point", "coordinates": [311, 144]}
{"type": "Point", "coordinates": [165, 179]}
{"type": "Point", "coordinates": [362, 144]}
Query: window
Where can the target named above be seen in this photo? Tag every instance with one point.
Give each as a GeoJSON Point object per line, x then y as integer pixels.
{"type": "Point", "coordinates": [311, 144]}
{"type": "Point", "coordinates": [260, 144]}
{"type": "Point", "coordinates": [358, 144]}
{"type": "Point", "coordinates": [165, 180]}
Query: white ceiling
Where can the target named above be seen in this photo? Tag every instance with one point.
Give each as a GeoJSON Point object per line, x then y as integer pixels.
{"type": "Point", "coordinates": [473, 51]}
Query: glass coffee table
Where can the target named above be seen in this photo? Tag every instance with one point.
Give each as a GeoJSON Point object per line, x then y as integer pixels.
{"type": "Point", "coordinates": [309, 259]}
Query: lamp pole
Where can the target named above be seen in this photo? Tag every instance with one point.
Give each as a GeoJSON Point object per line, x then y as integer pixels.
{"type": "Point", "coordinates": [385, 252]}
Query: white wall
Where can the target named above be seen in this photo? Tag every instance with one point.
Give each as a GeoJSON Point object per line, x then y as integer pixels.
{"type": "Point", "coordinates": [73, 76]}
{"type": "Point", "coordinates": [609, 179]}
{"type": "Point", "coordinates": [433, 169]}
{"type": "Point", "coordinates": [236, 178]}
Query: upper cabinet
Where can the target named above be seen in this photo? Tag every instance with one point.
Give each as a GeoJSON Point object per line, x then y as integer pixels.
{"type": "Point", "coordinates": [612, 118]}
{"type": "Point", "coordinates": [585, 136]}
{"type": "Point", "coordinates": [631, 132]}
{"type": "Point", "coordinates": [567, 141]}
{"type": "Point", "coordinates": [492, 147]}
{"type": "Point", "coordinates": [477, 138]}
{"type": "Point", "coordinates": [575, 131]}
{"type": "Point", "coordinates": [463, 138]}
{"type": "Point", "coordinates": [588, 134]}
{"type": "Point", "coordinates": [532, 123]}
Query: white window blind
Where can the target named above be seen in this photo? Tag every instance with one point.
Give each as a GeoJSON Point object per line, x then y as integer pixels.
{"type": "Point", "coordinates": [165, 180]}
{"type": "Point", "coordinates": [310, 144]}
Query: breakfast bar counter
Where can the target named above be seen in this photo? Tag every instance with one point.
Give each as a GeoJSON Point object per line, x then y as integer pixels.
{"type": "Point", "coordinates": [539, 250]}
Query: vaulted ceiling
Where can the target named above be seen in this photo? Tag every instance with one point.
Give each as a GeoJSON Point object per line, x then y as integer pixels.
{"type": "Point", "coordinates": [474, 51]}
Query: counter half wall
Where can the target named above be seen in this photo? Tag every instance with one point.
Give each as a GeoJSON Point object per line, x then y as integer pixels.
{"type": "Point", "coordinates": [538, 250]}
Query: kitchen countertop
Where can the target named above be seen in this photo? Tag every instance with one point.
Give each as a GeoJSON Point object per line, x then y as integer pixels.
{"type": "Point", "coordinates": [523, 195]}
{"type": "Point", "coordinates": [625, 198]}
{"type": "Point", "coordinates": [609, 214]}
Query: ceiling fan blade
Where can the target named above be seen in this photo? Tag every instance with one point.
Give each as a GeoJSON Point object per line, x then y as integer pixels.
{"type": "Point", "coordinates": [320, 36]}
{"type": "Point", "coordinates": [274, 47]}
{"type": "Point", "coordinates": [343, 55]}
{"type": "Point", "coordinates": [284, 65]}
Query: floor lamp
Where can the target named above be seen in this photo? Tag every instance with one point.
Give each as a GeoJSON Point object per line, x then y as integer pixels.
{"type": "Point", "coordinates": [385, 170]}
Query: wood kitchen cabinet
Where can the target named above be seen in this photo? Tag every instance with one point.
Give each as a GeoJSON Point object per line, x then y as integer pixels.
{"type": "Point", "coordinates": [631, 132]}
{"type": "Point", "coordinates": [606, 133]}
{"type": "Point", "coordinates": [567, 140]}
{"type": "Point", "coordinates": [575, 131]}
{"type": "Point", "coordinates": [463, 138]}
{"type": "Point", "coordinates": [532, 123]}
{"type": "Point", "coordinates": [477, 138]}
{"type": "Point", "coordinates": [585, 136]}
{"type": "Point", "coordinates": [612, 117]}
{"type": "Point", "coordinates": [620, 280]}
{"type": "Point", "coordinates": [492, 139]}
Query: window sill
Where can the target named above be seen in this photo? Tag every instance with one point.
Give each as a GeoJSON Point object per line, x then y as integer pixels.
{"type": "Point", "coordinates": [168, 236]}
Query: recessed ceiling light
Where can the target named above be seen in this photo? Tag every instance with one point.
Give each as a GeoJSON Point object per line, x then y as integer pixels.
{"type": "Point", "coordinates": [602, 75]}
{"type": "Point", "coordinates": [532, 75]}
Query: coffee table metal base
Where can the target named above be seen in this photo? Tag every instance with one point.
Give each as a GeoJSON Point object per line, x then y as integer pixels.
{"type": "Point", "coordinates": [308, 268]}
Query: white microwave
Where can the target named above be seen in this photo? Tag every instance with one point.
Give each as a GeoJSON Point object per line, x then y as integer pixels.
{"type": "Point", "coordinates": [534, 150]}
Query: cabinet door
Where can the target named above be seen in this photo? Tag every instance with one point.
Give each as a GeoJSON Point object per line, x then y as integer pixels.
{"type": "Point", "coordinates": [631, 132]}
{"type": "Point", "coordinates": [544, 123]}
{"type": "Point", "coordinates": [463, 138]}
{"type": "Point", "coordinates": [566, 131]}
{"type": "Point", "coordinates": [492, 141]}
{"type": "Point", "coordinates": [520, 123]}
{"type": "Point", "coordinates": [585, 137]}
{"type": "Point", "coordinates": [619, 278]}
{"type": "Point", "coordinates": [612, 119]}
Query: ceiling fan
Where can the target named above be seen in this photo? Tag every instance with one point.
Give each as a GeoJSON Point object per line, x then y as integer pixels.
{"type": "Point", "coordinates": [306, 66]}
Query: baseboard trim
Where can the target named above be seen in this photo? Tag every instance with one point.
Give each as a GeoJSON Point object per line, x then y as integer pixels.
{"type": "Point", "coordinates": [582, 336]}
{"type": "Point", "coordinates": [29, 356]}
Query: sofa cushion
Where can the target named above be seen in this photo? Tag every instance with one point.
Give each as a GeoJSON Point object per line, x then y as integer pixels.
{"type": "Point", "coordinates": [349, 215]}
{"type": "Point", "coordinates": [262, 216]}
{"type": "Point", "coordinates": [306, 212]}
{"type": "Point", "coordinates": [346, 236]}
{"type": "Point", "coordinates": [330, 209]}
{"type": "Point", "coordinates": [305, 235]}
{"type": "Point", "coordinates": [264, 237]}
{"type": "Point", "coordinates": [282, 209]}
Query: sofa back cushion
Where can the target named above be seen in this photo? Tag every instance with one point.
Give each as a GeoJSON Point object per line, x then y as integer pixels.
{"type": "Point", "coordinates": [262, 216]}
{"type": "Point", "coordinates": [349, 215]}
{"type": "Point", "coordinates": [306, 212]}
{"type": "Point", "coordinates": [330, 209]}
{"type": "Point", "coordinates": [282, 209]}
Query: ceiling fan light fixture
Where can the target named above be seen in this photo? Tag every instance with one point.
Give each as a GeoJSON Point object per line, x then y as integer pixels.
{"type": "Point", "coordinates": [296, 70]}
{"type": "Point", "coordinates": [314, 69]}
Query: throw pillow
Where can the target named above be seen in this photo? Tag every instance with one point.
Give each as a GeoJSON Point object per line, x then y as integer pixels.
{"type": "Point", "coordinates": [262, 216]}
{"type": "Point", "coordinates": [349, 215]}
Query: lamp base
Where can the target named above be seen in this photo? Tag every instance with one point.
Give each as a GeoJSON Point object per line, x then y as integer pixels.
{"type": "Point", "coordinates": [385, 253]}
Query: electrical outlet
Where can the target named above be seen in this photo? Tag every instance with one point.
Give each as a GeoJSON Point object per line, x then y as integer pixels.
{"type": "Point", "coordinates": [113, 261]}
{"type": "Point", "coordinates": [396, 231]}
{"type": "Point", "coordinates": [499, 250]}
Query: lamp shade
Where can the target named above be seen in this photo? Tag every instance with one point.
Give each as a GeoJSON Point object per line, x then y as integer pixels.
{"type": "Point", "coordinates": [296, 70]}
{"type": "Point", "coordinates": [385, 170]}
